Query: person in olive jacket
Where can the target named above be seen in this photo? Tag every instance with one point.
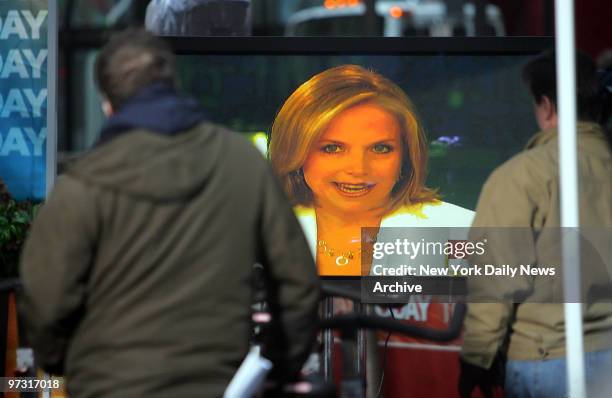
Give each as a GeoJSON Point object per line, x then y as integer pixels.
{"type": "Point", "coordinates": [137, 272]}
{"type": "Point", "coordinates": [523, 194]}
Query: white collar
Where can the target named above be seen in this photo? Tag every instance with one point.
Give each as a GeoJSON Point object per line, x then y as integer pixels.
{"type": "Point", "coordinates": [437, 214]}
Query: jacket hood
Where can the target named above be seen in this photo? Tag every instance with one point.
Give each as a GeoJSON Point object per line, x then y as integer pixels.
{"type": "Point", "coordinates": [153, 166]}
{"type": "Point", "coordinates": [155, 146]}
{"type": "Point", "coordinates": [158, 108]}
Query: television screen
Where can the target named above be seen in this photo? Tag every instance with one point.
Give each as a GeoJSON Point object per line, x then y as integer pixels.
{"type": "Point", "coordinates": [474, 110]}
{"type": "Point", "coordinates": [340, 118]}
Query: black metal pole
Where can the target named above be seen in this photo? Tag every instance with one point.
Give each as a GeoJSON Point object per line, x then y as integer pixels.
{"type": "Point", "coordinates": [549, 18]}
{"type": "Point", "coordinates": [370, 18]}
{"type": "Point", "coordinates": [480, 17]}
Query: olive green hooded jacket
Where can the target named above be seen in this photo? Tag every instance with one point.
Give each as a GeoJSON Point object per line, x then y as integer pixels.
{"type": "Point", "coordinates": [137, 272]}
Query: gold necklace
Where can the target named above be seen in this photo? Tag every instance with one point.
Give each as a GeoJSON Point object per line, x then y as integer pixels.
{"type": "Point", "coordinates": [341, 260]}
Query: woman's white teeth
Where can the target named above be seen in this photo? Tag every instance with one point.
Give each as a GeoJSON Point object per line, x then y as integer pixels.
{"type": "Point", "coordinates": [353, 188]}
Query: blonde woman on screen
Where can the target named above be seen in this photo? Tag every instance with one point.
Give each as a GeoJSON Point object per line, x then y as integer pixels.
{"type": "Point", "coordinates": [351, 153]}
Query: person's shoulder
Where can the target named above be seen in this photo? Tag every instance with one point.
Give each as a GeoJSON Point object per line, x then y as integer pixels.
{"type": "Point", "coordinates": [304, 212]}
{"type": "Point", "coordinates": [222, 145]}
{"type": "Point", "coordinates": [537, 165]}
{"type": "Point", "coordinates": [68, 185]}
{"type": "Point", "coordinates": [307, 219]}
{"type": "Point", "coordinates": [431, 214]}
{"type": "Point", "coordinates": [449, 214]}
{"type": "Point", "coordinates": [70, 194]}
{"type": "Point", "coordinates": [235, 143]}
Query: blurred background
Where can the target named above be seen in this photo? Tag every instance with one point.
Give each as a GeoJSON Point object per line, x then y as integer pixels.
{"type": "Point", "coordinates": [475, 110]}
{"type": "Point", "coordinates": [370, 17]}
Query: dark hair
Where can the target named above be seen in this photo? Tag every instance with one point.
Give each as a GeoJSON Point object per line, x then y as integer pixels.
{"type": "Point", "coordinates": [540, 74]}
{"type": "Point", "coordinates": [130, 61]}
{"type": "Point", "coordinates": [605, 90]}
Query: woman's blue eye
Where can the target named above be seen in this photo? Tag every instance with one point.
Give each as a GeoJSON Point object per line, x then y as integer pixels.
{"type": "Point", "coordinates": [331, 148]}
{"type": "Point", "coordinates": [382, 148]}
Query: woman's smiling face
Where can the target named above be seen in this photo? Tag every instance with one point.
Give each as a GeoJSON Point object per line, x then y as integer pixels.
{"type": "Point", "coordinates": [354, 165]}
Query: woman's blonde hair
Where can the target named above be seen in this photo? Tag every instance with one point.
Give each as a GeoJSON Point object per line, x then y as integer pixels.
{"type": "Point", "coordinates": [310, 109]}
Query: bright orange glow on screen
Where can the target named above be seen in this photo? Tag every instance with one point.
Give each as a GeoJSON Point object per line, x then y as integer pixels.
{"type": "Point", "coordinates": [396, 12]}
{"type": "Point", "coordinates": [331, 4]}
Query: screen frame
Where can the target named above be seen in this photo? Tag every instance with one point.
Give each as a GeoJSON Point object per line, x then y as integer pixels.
{"type": "Point", "coordinates": [448, 46]}
{"type": "Point", "coordinates": [317, 45]}
{"type": "Point", "coordinates": [270, 45]}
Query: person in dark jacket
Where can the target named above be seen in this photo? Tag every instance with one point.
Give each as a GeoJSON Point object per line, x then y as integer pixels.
{"type": "Point", "coordinates": [137, 271]}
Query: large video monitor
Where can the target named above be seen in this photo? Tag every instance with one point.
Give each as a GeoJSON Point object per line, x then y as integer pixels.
{"type": "Point", "coordinates": [466, 95]}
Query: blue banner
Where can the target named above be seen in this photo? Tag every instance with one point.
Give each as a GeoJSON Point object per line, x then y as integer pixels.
{"type": "Point", "coordinates": [23, 97]}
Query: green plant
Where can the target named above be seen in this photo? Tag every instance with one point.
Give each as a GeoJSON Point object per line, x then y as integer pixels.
{"type": "Point", "coordinates": [15, 220]}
